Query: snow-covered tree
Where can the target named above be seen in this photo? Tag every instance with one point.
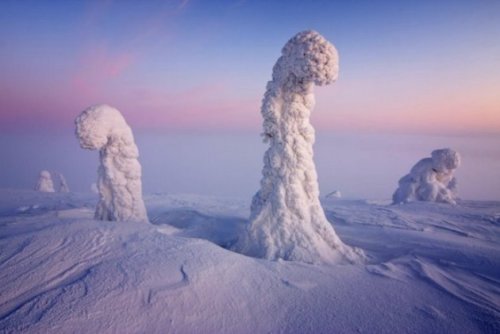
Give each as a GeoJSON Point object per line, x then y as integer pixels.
{"type": "Point", "coordinates": [287, 220]}
{"type": "Point", "coordinates": [431, 179]}
{"type": "Point", "coordinates": [103, 128]}
{"type": "Point", "coordinates": [63, 185]}
{"type": "Point", "coordinates": [44, 183]}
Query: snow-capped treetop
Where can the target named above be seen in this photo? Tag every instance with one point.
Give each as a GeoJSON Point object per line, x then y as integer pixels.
{"type": "Point", "coordinates": [97, 124]}
{"type": "Point", "coordinates": [445, 159]}
{"type": "Point", "coordinates": [44, 183]}
{"type": "Point", "coordinates": [45, 174]}
{"type": "Point", "coordinates": [310, 58]}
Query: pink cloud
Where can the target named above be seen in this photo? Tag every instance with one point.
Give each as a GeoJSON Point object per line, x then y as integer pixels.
{"type": "Point", "coordinates": [98, 65]}
{"type": "Point", "coordinates": [208, 106]}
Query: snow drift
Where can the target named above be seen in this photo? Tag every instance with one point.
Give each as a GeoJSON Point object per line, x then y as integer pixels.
{"type": "Point", "coordinates": [287, 220]}
{"type": "Point", "coordinates": [434, 269]}
{"type": "Point", "coordinates": [44, 183]}
{"type": "Point", "coordinates": [103, 128]}
{"type": "Point", "coordinates": [431, 179]}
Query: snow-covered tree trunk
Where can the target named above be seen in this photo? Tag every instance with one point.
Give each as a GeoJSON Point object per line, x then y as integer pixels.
{"type": "Point", "coordinates": [44, 183]}
{"type": "Point", "coordinates": [287, 220]}
{"type": "Point", "coordinates": [103, 128]}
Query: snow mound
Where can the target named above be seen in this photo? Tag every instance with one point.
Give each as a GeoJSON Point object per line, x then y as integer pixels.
{"type": "Point", "coordinates": [103, 128]}
{"type": "Point", "coordinates": [431, 179]}
{"type": "Point", "coordinates": [287, 220]}
{"type": "Point", "coordinates": [44, 183]}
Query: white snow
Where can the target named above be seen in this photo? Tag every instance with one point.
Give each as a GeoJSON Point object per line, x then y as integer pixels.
{"type": "Point", "coordinates": [431, 179]}
{"type": "Point", "coordinates": [103, 128]}
{"type": "Point", "coordinates": [63, 185]}
{"type": "Point", "coordinates": [432, 268]}
{"type": "Point", "coordinates": [287, 220]}
{"type": "Point", "coordinates": [44, 183]}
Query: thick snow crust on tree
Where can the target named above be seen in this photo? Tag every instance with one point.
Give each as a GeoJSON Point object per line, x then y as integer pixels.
{"type": "Point", "coordinates": [63, 185]}
{"type": "Point", "coordinates": [287, 220]}
{"type": "Point", "coordinates": [44, 183]}
{"type": "Point", "coordinates": [431, 179]}
{"type": "Point", "coordinates": [103, 128]}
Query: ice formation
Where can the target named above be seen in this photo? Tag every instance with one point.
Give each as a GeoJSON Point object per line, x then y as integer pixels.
{"type": "Point", "coordinates": [431, 179]}
{"type": "Point", "coordinates": [103, 128]}
{"type": "Point", "coordinates": [44, 183]}
{"type": "Point", "coordinates": [287, 220]}
{"type": "Point", "coordinates": [63, 185]}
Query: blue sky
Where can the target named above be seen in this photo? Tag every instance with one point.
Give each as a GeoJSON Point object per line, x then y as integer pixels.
{"type": "Point", "coordinates": [405, 66]}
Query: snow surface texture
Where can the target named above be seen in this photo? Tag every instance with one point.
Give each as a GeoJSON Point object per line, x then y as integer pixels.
{"type": "Point", "coordinates": [103, 128]}
{"type": "Point", "coordinates": [287, 220]}
{"type": "Point", "coordinates": [433, 269]}
{"type": "Point", "coordinates": [431, 179]}
{"type": "Point", "coordinates": [44, 183]}
{"type": "Point", "coordinates": [63, 185]}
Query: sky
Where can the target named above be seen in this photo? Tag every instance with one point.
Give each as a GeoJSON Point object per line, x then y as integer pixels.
{"type": "Point", "coordinates": [191, 66]}
{"type": "Point", "coordinates": [189, 76]}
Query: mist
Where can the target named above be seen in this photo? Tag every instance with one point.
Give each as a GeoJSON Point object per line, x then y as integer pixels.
{"type": "Point", "coordinates": [366, 166]}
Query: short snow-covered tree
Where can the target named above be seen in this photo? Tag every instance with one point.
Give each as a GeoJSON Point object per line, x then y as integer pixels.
{"type": "Point", "coordinates": [44, 183]}
{"type": "Point", "coordinates": [103, 128]}
{"type": "Point", "coordinates": [287, 220]}
{"type": "Point", "coordinates": [63, 185]}
{"type": "Point", "coordinates": [431, 179]}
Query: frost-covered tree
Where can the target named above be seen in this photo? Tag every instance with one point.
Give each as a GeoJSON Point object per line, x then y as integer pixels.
{"type": "Point", "coordinates": [103, 128]}
{"type": "Point", "coordinates": [287, 220]}
{"type": "Point", "coordinates": [44, 183]}
{"type": "Point", "coordinates": [431, 179]}
{"type": "Point", "coordinates": [63, 185]}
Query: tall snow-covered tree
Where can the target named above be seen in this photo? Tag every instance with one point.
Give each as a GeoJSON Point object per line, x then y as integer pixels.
{"type": "Point", "coordinates": [287, 220]}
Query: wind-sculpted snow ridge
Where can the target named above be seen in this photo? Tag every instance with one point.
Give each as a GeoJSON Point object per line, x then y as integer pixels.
{"type": "Point", "coordinates": [431, 179]}
{"type": "Point", "coordinates": [103, 128]}
{"type": "Point", "coordinates": [287, 220]}
{"type": "Point", "coordinates": [44, 183]}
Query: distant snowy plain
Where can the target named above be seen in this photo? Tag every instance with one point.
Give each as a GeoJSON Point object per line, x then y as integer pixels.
{"type": "Point", "coordinates": [433, 268]}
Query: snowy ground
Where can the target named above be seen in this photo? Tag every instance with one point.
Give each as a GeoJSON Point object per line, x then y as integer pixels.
{"type": "Point", "coordinates": [433, 268]}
